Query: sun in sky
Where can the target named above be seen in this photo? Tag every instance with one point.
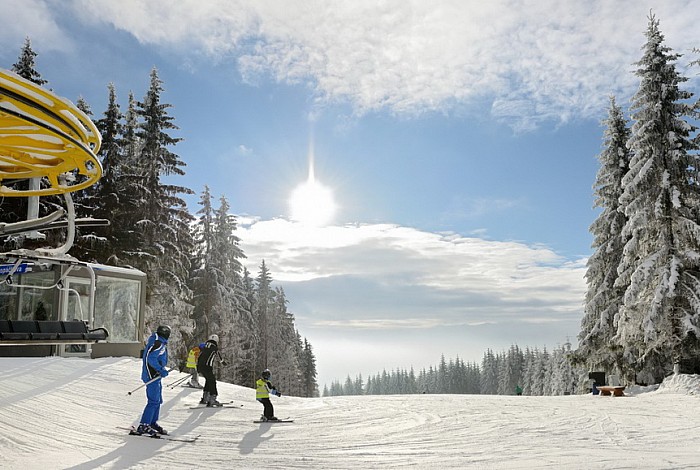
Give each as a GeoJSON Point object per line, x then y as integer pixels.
{"type": "Point", "coordinates": [312, 203]}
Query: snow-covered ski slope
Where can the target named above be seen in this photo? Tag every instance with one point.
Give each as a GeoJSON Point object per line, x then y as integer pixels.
{"type": "Point", "coordinates": [63, 413]}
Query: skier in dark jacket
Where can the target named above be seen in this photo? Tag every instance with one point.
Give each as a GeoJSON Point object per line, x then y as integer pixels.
{"type": "Point", "coordinates": [205, 366]}
{"type": "Point", "coordinates": [155, 358]}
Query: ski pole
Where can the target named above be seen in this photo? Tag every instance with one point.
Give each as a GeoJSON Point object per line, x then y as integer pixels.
{"type": "Point", "coordinates": [179, 381]}
{"type": "Point", "coordinates": [149, 382]}
{"type": "Point", "coordinates": [143, 385]}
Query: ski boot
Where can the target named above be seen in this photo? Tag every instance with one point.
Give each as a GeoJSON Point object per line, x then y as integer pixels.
{"type": "Point", "coordinates": [158, 429]}
{"type": "Point", "coordinates": [145, 429]}
{"type": "Point", "coordinates": [205, 399]}
{"type": "Point", "coordinates": [213, 401]}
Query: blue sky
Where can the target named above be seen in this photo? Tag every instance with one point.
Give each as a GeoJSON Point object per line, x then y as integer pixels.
{"type": "Point", "coordinates": [458, 140]}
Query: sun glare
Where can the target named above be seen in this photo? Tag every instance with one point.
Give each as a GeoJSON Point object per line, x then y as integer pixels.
{"type": "Point", "coordinates": [312, 203]}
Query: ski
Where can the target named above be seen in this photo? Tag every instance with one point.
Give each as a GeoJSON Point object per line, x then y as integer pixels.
{"type": "Point", "coordinates": [228, 404]}
{"type": "Point", "coordinates": [162, 437]}
{"type": "Point", "coordinates": [285, 420]}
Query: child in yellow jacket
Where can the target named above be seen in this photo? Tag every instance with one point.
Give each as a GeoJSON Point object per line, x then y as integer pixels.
{"type": "Point", "coordinates": [192, 357]}
{"type": "Point", "coordinates": [263, 389]}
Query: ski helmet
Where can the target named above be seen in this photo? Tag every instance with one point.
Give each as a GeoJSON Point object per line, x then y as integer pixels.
{"type": "Point", "coordinates": [163, 331]}
{"type": "Point", "coordinates": [214, 338]}
{"type": "Point", "coordinates": [266, 374]}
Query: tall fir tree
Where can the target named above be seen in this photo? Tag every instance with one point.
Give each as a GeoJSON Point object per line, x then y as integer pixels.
{"type": "Point", "coordinates": [160, 242]}
{"type": "Point", "coordinates": [489, 374]}
{"type": "Point", "coordinates": [127, 238]}
{"type": "Point", "coordinates": [598, 347]}
{"type": "Point", "coordinates": [659, 267]}
{"type": "Point", "coordinates": [162, 218]}
{"type": "Point", "coordinates": [249, 361]}
{"type": "Point", "coordinates": [203, 278]}
{"type": "Point", "coordinates": [103, 199]}
{"type": "Point", "coordinates": [237, 327]}
{"type": "Point", "coordinates": [263, 312]}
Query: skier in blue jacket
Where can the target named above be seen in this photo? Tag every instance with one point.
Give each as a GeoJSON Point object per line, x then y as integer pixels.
{"type": "Point", "coordinates": [155, 358]}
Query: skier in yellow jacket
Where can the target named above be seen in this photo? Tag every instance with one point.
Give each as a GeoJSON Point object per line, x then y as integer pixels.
{"type": "Point", "coordinates": [263, 389]}
{"type": "Point", "coordinates": [192, 357]}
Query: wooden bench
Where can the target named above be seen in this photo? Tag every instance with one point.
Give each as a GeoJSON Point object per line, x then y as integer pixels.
{"type": "Point", "coordinates": [21, 332]}
{"type": "Point", "coordinates": [611, 390]}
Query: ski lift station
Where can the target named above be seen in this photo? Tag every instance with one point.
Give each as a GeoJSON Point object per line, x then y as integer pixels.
{"type": "Point", "coordinates": [50, 302]}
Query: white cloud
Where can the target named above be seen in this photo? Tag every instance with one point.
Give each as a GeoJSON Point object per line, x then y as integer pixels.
{"type": "Point", "coordinates": [36, 20]}
{"type": "Point", "coordinates": [391, 277]}
{"type": "Point", "coordinates": [244, 150]}
{"type": "Point", "coordinates": [534, 61]}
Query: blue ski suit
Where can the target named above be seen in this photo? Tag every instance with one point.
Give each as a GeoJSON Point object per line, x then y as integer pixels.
{"type": "Point", "coordinates": [155, 358]}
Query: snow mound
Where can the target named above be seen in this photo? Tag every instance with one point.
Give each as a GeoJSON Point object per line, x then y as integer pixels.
{"type": "Point", "coordinates": [639, 389]}
{"type": "Point", "coordinates": [684, 384]}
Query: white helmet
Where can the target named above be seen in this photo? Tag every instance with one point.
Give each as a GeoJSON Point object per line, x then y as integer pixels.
{"type": "Point", "coordinates": [214, 338]}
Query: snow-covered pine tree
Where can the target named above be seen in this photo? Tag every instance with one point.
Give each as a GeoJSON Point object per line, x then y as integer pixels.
{"type": "Point", "coordinates": [597, 347]}
{"type": "Point", "coordinates": [442, 379]}
{"type": "Point", "coordinates": [261, 312]}
{"type": "Point", "coordinates": [359, 385]}
{"type": "Point", "coordinates": [412, 385]}
{"type": "Point", "coordinates": [431, 380]}
{"type": "Point", "coordinates": [215, 282]}
{"type": "Point", "coordinates": [164, 244]}
{"type": "Point", "coordinates": [248, 362]}
{"type": "Point", "coordinates": [131, 141]}
{"type": "Point", "coordinates": [384, 385]}
{"type": "Point", "coordinates": [349, 387]}
{"type": "Point", "coordinates": [535, 374]}
{"type": "Point", "coordinates": [203, 278]}
{"type": "Point", "coordinates": [660, 263]}
{"type": "Point", "coordinates": [237, 322]}
{"type": "Point", "coordinates": [111, 128]}
{"type": "Point", "coordinates": [127, 194]}
{"type": "Point", "coordinates": [25, 65]}
{"type": "Point", "coordinates": [545, 372]}
{"type": "Point", "coordinates": [102, 200]}
{"type": "Point", "coordinates": [285, 351]}
{"type": "Point", "coordinates": [504, 372]}
{"type": "Point", "coordinates": [489, 374]}
{"type": "Point", "coordinates": [563, 377]}
{"type": "Point", "coordinates": [457, 376]}
{"type": "Point", "coordinates": [512, 371]}
{"type": "Point", "coordinates": [309, 373]}
{"type": "Point", "coordinates": [528, 364]}
{"type": "Point", "coordinates": [473, 378]}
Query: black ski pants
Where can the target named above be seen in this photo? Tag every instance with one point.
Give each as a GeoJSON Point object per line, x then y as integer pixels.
{"type": "Point", "coordinates": [268, 411]}
{"type": "Point", "coordinates": [210, 384]}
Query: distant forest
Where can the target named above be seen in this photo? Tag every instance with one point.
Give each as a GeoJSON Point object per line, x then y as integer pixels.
{"type": "Point", "coordinates": [535, 372]}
